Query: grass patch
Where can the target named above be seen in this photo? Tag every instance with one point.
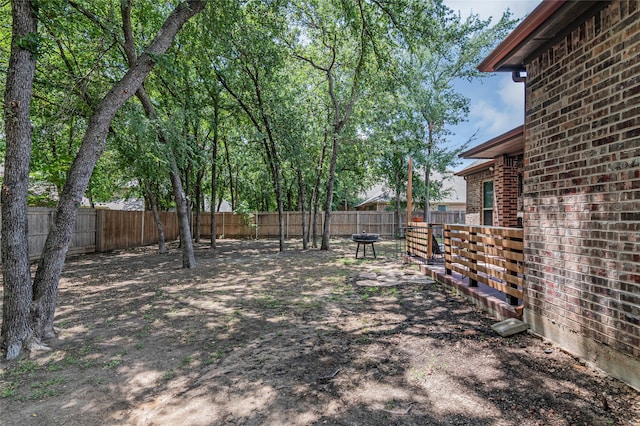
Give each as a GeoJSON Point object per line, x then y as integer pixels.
{"type": "Point", "coordinates": [47, 388]}
{"type": "Point", "coordinates": [26, 366]}
{"type": "Point", "coordinates": [114, 362]}
{"type": "Point", "coordinates": [8, 389]}
{"type": "Point", "coordinates": [186, 361]}
{"type": "Point", "coordinates": [168, 375]}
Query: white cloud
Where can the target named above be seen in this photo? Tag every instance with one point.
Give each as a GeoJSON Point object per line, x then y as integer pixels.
{"type": "Point", "coordinates": [489, 119]}
{"type": "Point", "coordinates": [497, 102]}
{"type": "Point", "coordinates": [512, 94]}
{"type": "Point", "coordinates": [499, 114]}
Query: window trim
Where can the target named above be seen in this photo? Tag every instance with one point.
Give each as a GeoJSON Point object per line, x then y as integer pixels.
{"type": "Point", "coordinates": [482, 201]}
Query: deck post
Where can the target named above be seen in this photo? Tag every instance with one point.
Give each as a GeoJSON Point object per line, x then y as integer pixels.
{"type": "Point", "coordinates": [473, 235]}
{"type": "Point", "coordinates": [447, 249]}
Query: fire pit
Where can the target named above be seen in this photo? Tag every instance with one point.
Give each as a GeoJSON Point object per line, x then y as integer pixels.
{"type": "Point", "coordinates": [365, 239]}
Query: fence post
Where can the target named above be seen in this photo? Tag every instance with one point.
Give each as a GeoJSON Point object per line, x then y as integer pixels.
{"type": "Point", "coordinates": [512, 300]}
{"type": "Point", "coordinates": [393, 226]}
{"type": "Point", "coordinates": [513, 270]}
{"type": "Point", "coordinates": [448, 258]}
{"type": "Point", "coordinates": [472, 234]}
{"type": "Point", "coordinates": [99, 230]}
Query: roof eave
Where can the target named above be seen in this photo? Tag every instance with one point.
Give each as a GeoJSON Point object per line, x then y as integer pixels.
{"type": "Point", "coordinates": [510, 136]}
{"type": "Point", "coordinates": [532, 22]}
{"type": "Point", "coordinates": [475, 168]}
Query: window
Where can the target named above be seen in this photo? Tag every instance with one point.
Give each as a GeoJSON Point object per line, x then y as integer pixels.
{"type": "Point", "coordinates": [443, 208]}
{"type": "Point", "coordinates": [487, 203]}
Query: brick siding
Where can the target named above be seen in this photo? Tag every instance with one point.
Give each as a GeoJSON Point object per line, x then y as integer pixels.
{"type": "Point", "coordinates": [582, 181]}
{"type": "Point", "coordinates": [507, 202]}
{"type": "Point", "coordinates": [473, 214]}
{"type": "Point", "coordinates": [506, 190]}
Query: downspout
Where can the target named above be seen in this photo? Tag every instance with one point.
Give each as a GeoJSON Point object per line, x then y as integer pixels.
{"type": "Point", "coordinates": [517, 77]}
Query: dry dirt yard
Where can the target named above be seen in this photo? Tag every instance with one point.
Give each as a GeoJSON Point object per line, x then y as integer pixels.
{"type": "Point", "coordinates": [254, 337]}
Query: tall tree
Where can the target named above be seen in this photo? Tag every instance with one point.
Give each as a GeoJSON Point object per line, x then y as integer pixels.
{"type": "Point", "coordinates": [16, 325]}
{"type": "Point", "coordinates": [253, 78]}
{"type": "Point", "coordinates": [188, 256]}
{"type": "Point", "coordinates": [457, 45]}
{"type": "Point", "coordinates": [338, 51]}
{"type": "Point", "coordinates": [45, 285]}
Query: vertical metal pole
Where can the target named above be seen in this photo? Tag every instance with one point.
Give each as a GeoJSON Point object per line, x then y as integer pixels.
{"type": "Point", "coordinates": [409, 191]}
{"type": "Point", "coordinates": [409, 203]}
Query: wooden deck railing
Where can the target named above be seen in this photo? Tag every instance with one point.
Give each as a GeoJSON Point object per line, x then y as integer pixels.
{"type": "Point", "coordinates": [421, 240]}
{"type": "Point", "coordinates": [490, 255]}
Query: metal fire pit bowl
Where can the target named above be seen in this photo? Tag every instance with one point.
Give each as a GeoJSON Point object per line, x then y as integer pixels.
{"type": "Point", "coordinates": [365, 239]}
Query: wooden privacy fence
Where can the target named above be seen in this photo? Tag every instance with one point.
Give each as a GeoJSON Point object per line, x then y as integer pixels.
{"type": "Point", "coordinates": [119, 229]}
{"type": "Point", "coordinates": [266, 225]}
{"type": "Point", "coordinates": [490, 255]}
{"type": "Point", "coordinates": [343, 223]}
{"type": "Point", "coordinates": [84, 233]}
{"type": "Point", "coordinates": [103, 230]}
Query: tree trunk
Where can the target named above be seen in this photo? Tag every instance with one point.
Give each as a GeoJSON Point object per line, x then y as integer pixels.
{"type": "Point", "coordinates": [315, 196]}
{"type": "Point", "coordinates": [93, 143]}
{"type": "Point", "coordinates": [268, 141]}
{"type": "Point", "coordinates": [182, 208]}
{"type": "Point", "coordinates": [398, 217]}
{"type": "Point", "coordinates": [426, 215]}
{"type": "Point", "coordinates": [186, 188]}
{"type": "Point", "coordinates": [17, 330]}
{"type": "Point", "coordinates": [329, 201]}
{"type": "Point", "coordinates": [303, 213]}
{"type": "Point", "coordinates": [188, 258]}
{"type": "Point", "coordinates": [214, 181]}
{"type": "Point", "coordinates": [162, 247]}
{"type": "Point", "coordinates": [232, 188]}
{"type": "Point", "coordinates": [199, 176]}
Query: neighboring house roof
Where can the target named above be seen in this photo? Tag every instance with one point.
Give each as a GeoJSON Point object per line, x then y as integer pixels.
{"type": "Point", "coordinates": [128, 204]}
{"type": "Point", "coordinates": [475, 167]}
{"type": "Point", "coordinates": [382, 194]}
{"type": "Point", "coordinates": [549, 21]}
{"type": "Point", "coordinates": [378, 194]}
{"type": "Point", "coordinates": [509, 143]}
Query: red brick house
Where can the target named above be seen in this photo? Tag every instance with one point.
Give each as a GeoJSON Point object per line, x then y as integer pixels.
{"type": "Point", "coordinates": [581, 176]}
{"type": "Point", "coordinates": [494, 183]}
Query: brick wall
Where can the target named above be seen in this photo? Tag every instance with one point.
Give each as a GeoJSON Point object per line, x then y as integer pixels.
{"type": "Point", "coordinates": [506, 190]}
{"type": "Point", "coordinates": [582, 189]}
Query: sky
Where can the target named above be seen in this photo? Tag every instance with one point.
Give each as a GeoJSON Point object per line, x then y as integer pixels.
{"type": "Point", "coordinates": [497, 103]}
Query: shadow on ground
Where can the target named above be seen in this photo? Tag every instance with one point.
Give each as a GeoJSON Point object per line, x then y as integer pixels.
{"type": "Point", "coordinates": [252, 336]}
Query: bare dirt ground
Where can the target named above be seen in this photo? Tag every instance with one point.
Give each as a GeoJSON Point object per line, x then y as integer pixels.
{"type": "Point", "coordinates": [254, 337]}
